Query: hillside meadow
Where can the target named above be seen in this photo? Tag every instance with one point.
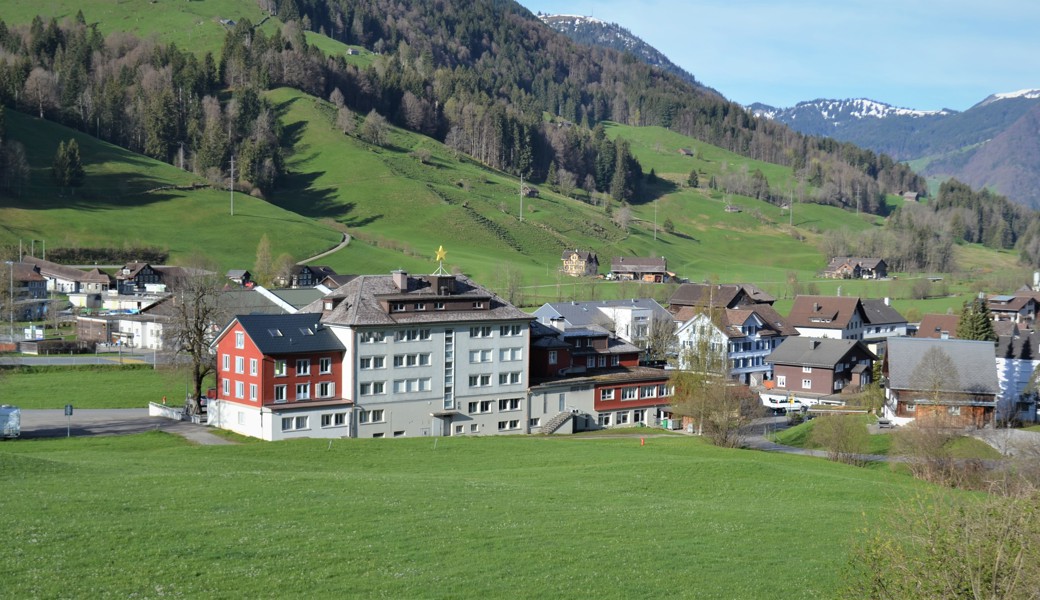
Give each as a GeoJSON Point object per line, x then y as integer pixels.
{"type": "Point", "coordinates": [151, 515]}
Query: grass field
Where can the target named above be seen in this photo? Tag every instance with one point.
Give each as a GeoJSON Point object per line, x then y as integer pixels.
{"type": "Point", "coordinates": [150, 515]}
{"type": "Point", "coordinates": [91, 387]}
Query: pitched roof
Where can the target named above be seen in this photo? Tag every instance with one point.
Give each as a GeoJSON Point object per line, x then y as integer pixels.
{"type": "Point", "coordinates": [96, 275]}
{"type": "Point", "coordinates": [1023, 347]}
{"type": "Point", "coordinates": [876, 312]}
{"type": "Point", "coordinates": [595, 312]}
{"type": "Point", "coordinates": [933, 326]}
{"type": "Point", "coordinates": [974, 368]}
{"type": "Point", "coordinates": [722, 295]}
{"type": "Point", "coordinates": [582, 254]}
{"type": "Point", "coordinates": [814, 352]}
{"type": "Point", "coordinates": [863, 262]}
{"type": "Point", "coordinates": [359, 303]}
{"type": "Point", "coordinates": [25, 272]}
{"type": "Point", "coordinates": [289, 334]}
{"type": "Point", "coordinates": [824, 312]}
{"type": "Point", "coordinates": [637, 263]}
{"type": "Point", "coordinates": [54, 270]}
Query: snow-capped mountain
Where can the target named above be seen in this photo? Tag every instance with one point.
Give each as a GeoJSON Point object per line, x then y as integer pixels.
{"type": "Point", "coordinates": [831, 114]}
{"type": "Point", "coordinates": [594, 32]}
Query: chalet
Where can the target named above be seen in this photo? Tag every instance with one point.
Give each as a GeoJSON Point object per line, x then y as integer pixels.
{"type": "Point", "coordinates": [815, 370]}
{"type": "Point", "coordinates": [579, 263]}
{"type": "Point", "coordinates": [951, 380]}
{"type": "Point", "coordinates": [747, 335]}
{"type": "Point", "coordinates": [139, 277]}
{"type": "Point", "coordinates": [29, 291]}
{"type": "Point", "coordinates": [685, 152]}
{"type": "Point", "coordinates": [940, 327]}
{"type": "Point", "coordinates": [631, 320]}
{"type": "Point", "coordinates": [1020, 309]}
{"type": "Point", "coordinates": [854, 267]}
{"type": "Point", "coordinates": [303, 276]}
{"type": "Point", "coordinates": [911, 196]}
{"type": "Point", "coordinates": [650, 270]}
{"type": "Point", "coordinates": [240, 276]}
{"type": "Point", "coordinates": [839, 317]}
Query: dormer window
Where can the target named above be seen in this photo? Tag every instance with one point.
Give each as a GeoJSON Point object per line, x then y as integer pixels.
{"type": "Point", "coordinates": [478, 304]}
{"type": "Point", "coordinates": [420, 306]}
{"type": "Point", "coordinates": [397, 307]}
{"type": "Point", "coordinates": [438, 306]}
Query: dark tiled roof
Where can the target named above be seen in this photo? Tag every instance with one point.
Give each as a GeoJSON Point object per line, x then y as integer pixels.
{"type": "Point", "coordinates": [635, 263]}
{"type": "Point", "coordinates": [876, 312]}
{"type": "Point", "coordinates": [592, 313]}
{"type": "Point", "coordinates": [1024, 347]}
{"type": "Point", "coordinates": [974, 367]}
{"type": "Point", "coordinates": [358, 303]}
{"type": "Point", "coordinates": [289, 334]}
{"type": "Point", "coordinates": [582, 254]}
{"type": "Point", "coordinates": [823, 312]}
{"type": "Point", "coordinates": [54, 270]}
{"type": "Point", "coordinates": [726, 295]}
{"type": "Point", "coordinates": [813, 352]}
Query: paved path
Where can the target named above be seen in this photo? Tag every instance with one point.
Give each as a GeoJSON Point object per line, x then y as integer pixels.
{"type": "Point", "coordinates": [1011, 442]}
{"type": "Point", "coordinates": [342, 244]}
{"type": "Point", "coordinates": [110, 421]}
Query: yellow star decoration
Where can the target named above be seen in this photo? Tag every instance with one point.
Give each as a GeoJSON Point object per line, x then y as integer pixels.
{"type": "Point", "coordinates": [441, 253]}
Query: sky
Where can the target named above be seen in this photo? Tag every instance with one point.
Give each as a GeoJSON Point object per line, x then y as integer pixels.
{"type": "Point", "coordinates": [919, 54]}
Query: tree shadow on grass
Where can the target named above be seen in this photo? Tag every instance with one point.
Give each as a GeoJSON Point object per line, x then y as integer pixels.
{"type": "Point", "coordinates": [653, 191]}
{"type": "Point", "coordinates": [100, 192]}
{"type": "Point", "coordinates": [297, 193]}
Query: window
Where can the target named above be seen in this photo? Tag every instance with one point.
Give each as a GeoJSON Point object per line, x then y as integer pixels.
{"type": "Point", "coordinates": [252, 366]}
{"type": "Point", "coordinates": [615, 360]}
{"type": "Point", "coordinates": [279, 368]}
{"type": "Point", "coordinates": [512, 378]}
{"type": "Point", "coordinates": [507, 425]}
{"type": "Point", "coordinates": [302, 422]}
{"type": "Point", "coordinates": [339, 418]}
{"type": "Point", "coordinates": [240, 340]}
{"type": "Point", "coordinates": [279, 394]}
{"type": "Point", "coordinates": [326, 389]}
{"type": "Point", "coordinates": [372, 337]}
{"type": "Point", "coordinates": [226, 386]}
{"type": "Point", "coordinates": [602, 361]}
{"type": "Point", "coordinates": [663, 390]}
{"type": "Point", "coordinates": [303, 391]}
{"type": "Point", "coordinates": [478, 305]}
{"type": "Point", "coordinates": [629, 393]}
{"type": "Point", "coordinates": [509, 330]}
{"type": "Point", "coordinates": [480, 332]}
{"type": "Point", "coordinates": [604, 419]}
{"type": "Point", "coordinates": [472, 407]}
{"type": "Point", "coordinates": [295, 423]}
{"type": "Point", "coordinates": [508, 404]}
{"type": "Point", "coordinates": [402, 386]}
{"type": "Point", "coordinates": [781, 381]}
{"type": "Point", "coordinates": [303, 366]}
{"type": "Point", "coordinates": [240, 389]}
{"type": "Point", "coordinates": [606, 394]}
{"type": "Point", "coordinates": [955, 411]}
{"type": "Point", "coordinates": [479, 380]}
{"type": "Point", "coordinates": [510, 354]}
{"type": "Point", "coordinates": [227, 362]}
{"type": "Point", "coordinates": [325, 365]}
{"type": "Point", "coordinates": [806, 384]}
{"type": "Point", "coordinates": [397, 307]}
{"type": "Point", "coordinates": [373, 388]}
{"type": "Point", "coordinates": [552, 357]}
{"type": "Point", "coordinates": [370, 416]}
{"type": "Point", "coordinates": [478, 356]}
{"type": "Point", "coordinates": [377, 435]}
{"type": "Point", "coordinates": [535, 422]}
{"type": "Point", "coordinates": [911, 407]}
{"type": "Point", "coordinates": [326, 420]}
{"type": "Point", "coordinates": [622, 417]}
{"type": "Point", "coordinates": [806, 369]}
{"type": "Point", "coordinates": [485, 405]}
{"type": "Point", "coordinates": [410, 335]}
{"type": "Point", "coordinates": [240, 364]}
{"type": "Point", "coordinates": [473, 428]}
{"type": "Point", "coordinates": [420, 306]}
{"type": "Point", "coordinates": [334, 419]}
{"type": "Point", "coordinates": [438, 306]}
{"type": "Point", "coordinates": [639, 415]}
{"type": "Point", "coordinates": [590, 362]}
{"type": "Point", "coordinates": [252, 391]}
{"type": "Point", "coordinates": [460, 429]}
{"type": "Point", "coordinates": [399, 433]}
{"type": "Point", "coordinates": [648, 391]}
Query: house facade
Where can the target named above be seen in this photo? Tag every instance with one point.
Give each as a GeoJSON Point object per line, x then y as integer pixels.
{"type": "Point", "coordinates": [579, 263]}
{"type": "Point", "coordinates": [280, 377]}
{"type": "Point", "coordinates": [880, 322]}
{"type": "Point", "coordinates": [954, 381]}
{"type": "Point", "coordinates": [139, 277]}
{"type": "Point", "coordinates": [818, 370]}
{"type": "Point", "coordinates": [699, 296]}
{"type": "Point", "coordinates": [856, 267]}
{"type": "Point", "coordinates": [631, 319]}
{"type": "Point", "coordinates": [1019, 309]}
{"type": "Point", "coordinates": [629, 268]}
{"type": "Point", "coordinates": [747, 335]}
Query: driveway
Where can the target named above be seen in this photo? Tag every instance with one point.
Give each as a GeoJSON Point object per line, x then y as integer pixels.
{"type": "Point", "coordinates": [110, 421]}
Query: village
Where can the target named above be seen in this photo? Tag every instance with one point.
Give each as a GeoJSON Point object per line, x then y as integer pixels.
{"type": "Point", "coordinates": [326, 355]}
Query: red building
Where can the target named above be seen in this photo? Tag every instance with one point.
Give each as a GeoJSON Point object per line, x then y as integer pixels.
{"type": "Point", "coordinates": [280, 377]}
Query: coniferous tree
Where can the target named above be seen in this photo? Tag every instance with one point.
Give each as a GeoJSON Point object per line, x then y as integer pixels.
{"type": "Point", "coordinates": [976, 322]}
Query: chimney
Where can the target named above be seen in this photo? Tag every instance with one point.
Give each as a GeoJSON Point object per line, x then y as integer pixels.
{"type": "Point", "coordinates": [400, 279]}
{"type": "Point", "coordinates": [816, 307]}
{"type": "Point", "coordinates": [814, 344]}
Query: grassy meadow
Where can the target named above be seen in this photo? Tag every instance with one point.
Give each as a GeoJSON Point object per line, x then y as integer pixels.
{"type": "Point", "coordinates": [128, 386]}
{"type": "Point", "coordinates": [527, 517]}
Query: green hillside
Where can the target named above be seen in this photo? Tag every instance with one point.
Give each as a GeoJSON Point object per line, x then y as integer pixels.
{"type": "Point", "coordinates": [125, 201]}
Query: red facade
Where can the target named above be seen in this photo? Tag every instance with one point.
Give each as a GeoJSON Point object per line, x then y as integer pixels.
{"type": "Point", "coordinates": [624, 395]}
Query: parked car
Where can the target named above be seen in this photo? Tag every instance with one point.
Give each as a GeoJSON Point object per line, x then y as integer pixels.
{"type": "Point", "coordinates": [10, 421]}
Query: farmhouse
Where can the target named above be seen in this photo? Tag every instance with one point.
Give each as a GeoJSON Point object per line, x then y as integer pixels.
{"type": "Point", "coordinates": [954, 381]}
{"type": "Point", "coordinates": [650, 270]}
{"type": "Point", "coordinates": [854, 267]}
{"type": "Point", "coordinates": [579, 263]}
{"type": "Point", "coordinates": [709, 295]}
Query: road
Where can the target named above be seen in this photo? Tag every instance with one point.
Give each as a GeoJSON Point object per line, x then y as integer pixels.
{"type": "Point", "coordinates": [110, 421]}
{"type": "Point", "coordinates": [128, 357]}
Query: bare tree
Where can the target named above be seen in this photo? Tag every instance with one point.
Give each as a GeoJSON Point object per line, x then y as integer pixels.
{"type": "Point", "coordinates": [346, 121]}
{"type": "Point", "coordinates": [660, 339]}
{"type": "Point", "coordinates": [41, 88]}
{"type": "Point", "coordinates": [375, 129]}
{"type": "Point", "coordinates": [197, 315]}
{"type": "Point", "coordinates": [566, 182]}
{"type": "Point", "coordinates": [336, 98]}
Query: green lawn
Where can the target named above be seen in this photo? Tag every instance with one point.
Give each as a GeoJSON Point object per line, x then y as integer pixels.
{"type": "Point", "coordinates": [519, 517]}
{"type": "Point", "coordinates": [91, 387]}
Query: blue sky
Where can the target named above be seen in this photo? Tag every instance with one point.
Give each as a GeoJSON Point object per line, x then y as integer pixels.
{"type": "Point", "coordinates": [921, 54]}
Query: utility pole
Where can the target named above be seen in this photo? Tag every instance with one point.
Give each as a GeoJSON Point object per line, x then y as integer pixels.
{"type": "Point", "coordinates": [231, 185]}
{"type": "Point", "coordinates": [655, 220]}
{"type": "Point", "coordinates": [521, 197]}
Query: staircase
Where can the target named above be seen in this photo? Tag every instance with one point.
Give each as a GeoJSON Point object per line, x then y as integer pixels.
{"type": "Point", "coordinates": [553, 424]}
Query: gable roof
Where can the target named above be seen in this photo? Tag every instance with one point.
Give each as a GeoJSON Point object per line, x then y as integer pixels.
{"type": "Point", "coordinates": [932, 326]}
{"type": "Point", "coordinates": [582, 254]}
{"type": "Point", "coordinates": [973, 362]}
{"type": "Point", "coordinates": [720, 295]}
{"type": "Point", "coordinates": [1022, 347]}
{"type": "Point", "coordinates": [814, 352]}
{"type": "Point", "coordinates": [289, 334]}
{"type": "Point", "coordinates": [637, 263]}
{"type": "Point", "coordinates": [594, 312]}
{"type": "Point", "coordinates": [863, 262]}
{"type": "Point", "coordinates": [876, 312]}
{"type": "Point", "coordinates": [824, 312]}
{"type": "Point", "coordinates": [54, 270]}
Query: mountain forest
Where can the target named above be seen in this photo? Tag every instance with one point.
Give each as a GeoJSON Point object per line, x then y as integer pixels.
{"type": "Point", "coordinates": [488, 79]}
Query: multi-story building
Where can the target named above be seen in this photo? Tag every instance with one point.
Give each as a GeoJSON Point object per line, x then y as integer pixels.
{"type": "Point", "coordinates": [631, 320]}
{"type": "Point", "coordinates": [579, 263]}
{"type": "Point", "coordinates": [746, 335]}
{"type": "Point", "coordinates": [815, 370]}
{"type": "Point", "coordinates": [837, 317]}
